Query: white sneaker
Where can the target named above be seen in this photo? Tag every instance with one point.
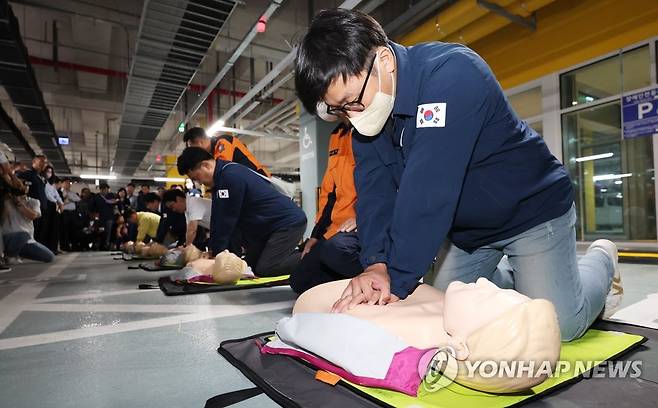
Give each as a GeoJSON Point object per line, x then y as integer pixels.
{"type": "Point", "coordinates": [613, 300]}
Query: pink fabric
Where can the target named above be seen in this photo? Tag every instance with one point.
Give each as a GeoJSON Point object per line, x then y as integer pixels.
{"type": "Point", "coordinates": [201, 278]}
{"type": "Point", "coordinates": [402, 375]}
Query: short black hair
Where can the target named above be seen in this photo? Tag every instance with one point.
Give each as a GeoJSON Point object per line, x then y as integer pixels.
{"type": "Point", "coordinates": [128, 212]}
{"type": "Point", "coordinates": [339, 42]}
{"type": "Point", "coordinates": [151, 197]}
{"type": "Point", "coordinates": [102, 186]}
{"type": "Point", "coordinates": [194, 133]}
{"type": "Point", "coordinates": [130, 185]}
{"type": "Point", "coordinates": [171, 195]}
{"type": "Point", "coordinates": [192, 157]}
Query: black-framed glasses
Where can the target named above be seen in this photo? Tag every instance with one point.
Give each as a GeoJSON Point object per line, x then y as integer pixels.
{"type": "Point", "coordinates": [355, 105]}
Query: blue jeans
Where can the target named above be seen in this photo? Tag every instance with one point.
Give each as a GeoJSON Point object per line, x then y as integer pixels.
{"type": "Point", "coordinates": [21, 244]}
{"type": "Point", "coordinates": [540, 263]}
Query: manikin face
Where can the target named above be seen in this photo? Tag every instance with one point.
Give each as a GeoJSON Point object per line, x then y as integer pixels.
{"type": "Point", "coordinates": [341, 92]}
{"type": "Point", "coordinates": [203, 173]}
{"type": "Point", "coordinates": [469, 306]}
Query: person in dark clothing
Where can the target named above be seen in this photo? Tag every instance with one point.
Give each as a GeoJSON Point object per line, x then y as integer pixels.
{"type": "Point", "coordinates": [37, 189]}
{"type": "Point", "coordinates": [51, 218]}
{"type": "Point", "coordinates": [104, 204]}
{"type": "Point", "coordinates": [83, 236]}
{"type": "Point", "coordinates": [123, 202]}
{"type": "Point", "coordinates": [141, 205]}
{"type": "Point", "coordinates": [270, 223]}
{"type": "Point", "coordinates": [152, 203]}
{"type": "Point", "coordinates": [443, 162]}
{"type": "Point", "coordinates": [172, 228]}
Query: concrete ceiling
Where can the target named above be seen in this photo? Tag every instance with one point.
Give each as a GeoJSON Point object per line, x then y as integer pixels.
{"type": "Point", "coordinates": [83, 76]}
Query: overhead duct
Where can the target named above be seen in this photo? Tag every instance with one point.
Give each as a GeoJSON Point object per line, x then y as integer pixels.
{"type": "Point", "coordinates": [174, 37]}
{"type": "Point", "coordinates": [18, 79]}
{"type": "Point", "coordinates": [13, 138]}
{"type": "Point", "coordinates": [274, 5]}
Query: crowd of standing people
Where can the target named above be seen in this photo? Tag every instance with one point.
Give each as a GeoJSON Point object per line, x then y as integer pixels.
{"type": "Point", "coordinates": [41, 215]}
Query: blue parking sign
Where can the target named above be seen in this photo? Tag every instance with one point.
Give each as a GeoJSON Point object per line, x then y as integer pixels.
{"type": "Point", "coordinates": [640, 114]}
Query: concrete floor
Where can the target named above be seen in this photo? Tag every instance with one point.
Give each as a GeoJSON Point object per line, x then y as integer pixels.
{"type": "Point", "coordinates": [78, 333]}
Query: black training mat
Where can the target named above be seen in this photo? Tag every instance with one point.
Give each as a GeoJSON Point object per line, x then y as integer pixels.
{"type": "Point", "coordinates": [291, 383]}
{"type": "Point", "coordinates": [152, 267]}
{"type": "Point", "coordinates": [170, 288]}
{"type": "Point", "coordinates": [132, 259]}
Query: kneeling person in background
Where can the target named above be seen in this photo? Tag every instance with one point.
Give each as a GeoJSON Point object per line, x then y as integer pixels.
{"type": "Point", "coordinates": [271, 224]}
{"type": "Point", "coordinates": [332, 252]}
{"type": "Point", "coordinates": [147, 224]}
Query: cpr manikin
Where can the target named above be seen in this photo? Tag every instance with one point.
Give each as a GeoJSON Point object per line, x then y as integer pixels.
{"type": "Point", "coordinates": [225, 269]}
{"type": "Point", "coordinates": [478, 322]}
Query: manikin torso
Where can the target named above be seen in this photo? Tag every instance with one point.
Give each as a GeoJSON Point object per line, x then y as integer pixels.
{"type": "Point", "coordinates": [420, 319]}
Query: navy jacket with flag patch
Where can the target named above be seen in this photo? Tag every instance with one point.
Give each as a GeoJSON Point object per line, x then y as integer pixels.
{"type": "Point", "coordinates": [243, 200]}
{"type": "Point", "coordinates": [468, 170]}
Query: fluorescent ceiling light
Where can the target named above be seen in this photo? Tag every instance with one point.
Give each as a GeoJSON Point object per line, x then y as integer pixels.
{"type": "Point", "coordinates": [594, 157]}
{"type": "Point", "coordinates": [98, 176]}
{"type": "Point", "coordinates": [169, 180]}
{"type": "Point", "coordinates": [610, 176]}
{"type": "Point", "coordinates": [215, 127]}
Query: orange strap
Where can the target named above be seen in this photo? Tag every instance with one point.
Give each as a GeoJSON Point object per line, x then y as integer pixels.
{"type": "Point", "coordinates": [327, 377]}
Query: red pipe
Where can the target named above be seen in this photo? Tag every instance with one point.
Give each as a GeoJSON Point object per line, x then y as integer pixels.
{"type": "Point", "coordinates": [120, 74]}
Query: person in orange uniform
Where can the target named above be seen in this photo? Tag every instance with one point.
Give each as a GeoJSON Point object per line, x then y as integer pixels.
{"type": "Point", "coordinates": [332, 252]}
{"type": "Point", "coordinates": [224, 147]}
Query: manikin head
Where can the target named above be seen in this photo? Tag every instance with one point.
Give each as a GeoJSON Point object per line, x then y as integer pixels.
{"type": "Point", "coordinates": [479, 321]}
{"type": "Point", "coordinates": [227, 268]}
{"type": "Point", "coordinates": [156, 250]}
{"type": "Point", "coordinates": [191, 253]}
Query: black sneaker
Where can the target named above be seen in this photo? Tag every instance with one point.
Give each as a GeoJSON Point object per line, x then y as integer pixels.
{"type": "Point", "coordinates": [4, 267]}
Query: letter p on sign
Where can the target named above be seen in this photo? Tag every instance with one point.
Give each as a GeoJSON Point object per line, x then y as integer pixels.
{"type": "Point", "coordinates": [643, 109]}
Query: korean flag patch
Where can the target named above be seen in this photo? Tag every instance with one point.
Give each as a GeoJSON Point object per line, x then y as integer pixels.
{"type": "Point", "coordinates": [431, 115]}
{"type": "Point", "coordinates": [222, 193]}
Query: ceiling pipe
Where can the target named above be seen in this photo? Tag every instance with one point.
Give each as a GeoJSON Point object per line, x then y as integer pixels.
{"type": "Point", "coordinates": [275, 110]}
{"type": "Point", "coordinates": [123, 75]}
{"type": "Point", "coordinates": [267, 93]}
{"type": "Point", "coordinates": [274, 5]}
{"type": "Point", "coordinates": [280, 67]}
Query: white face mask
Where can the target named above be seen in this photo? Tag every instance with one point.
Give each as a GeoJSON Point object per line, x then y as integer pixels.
{"type": "Point", "coordinates": [372, 120]}
{"type": "Point", "coordinates": [321, 109]}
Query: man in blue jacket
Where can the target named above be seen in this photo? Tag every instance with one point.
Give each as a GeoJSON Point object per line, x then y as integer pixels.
{"type": "Point", "coordinates": [442, 156]}
{"type": "Point", "coordinates": [271, 225]}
